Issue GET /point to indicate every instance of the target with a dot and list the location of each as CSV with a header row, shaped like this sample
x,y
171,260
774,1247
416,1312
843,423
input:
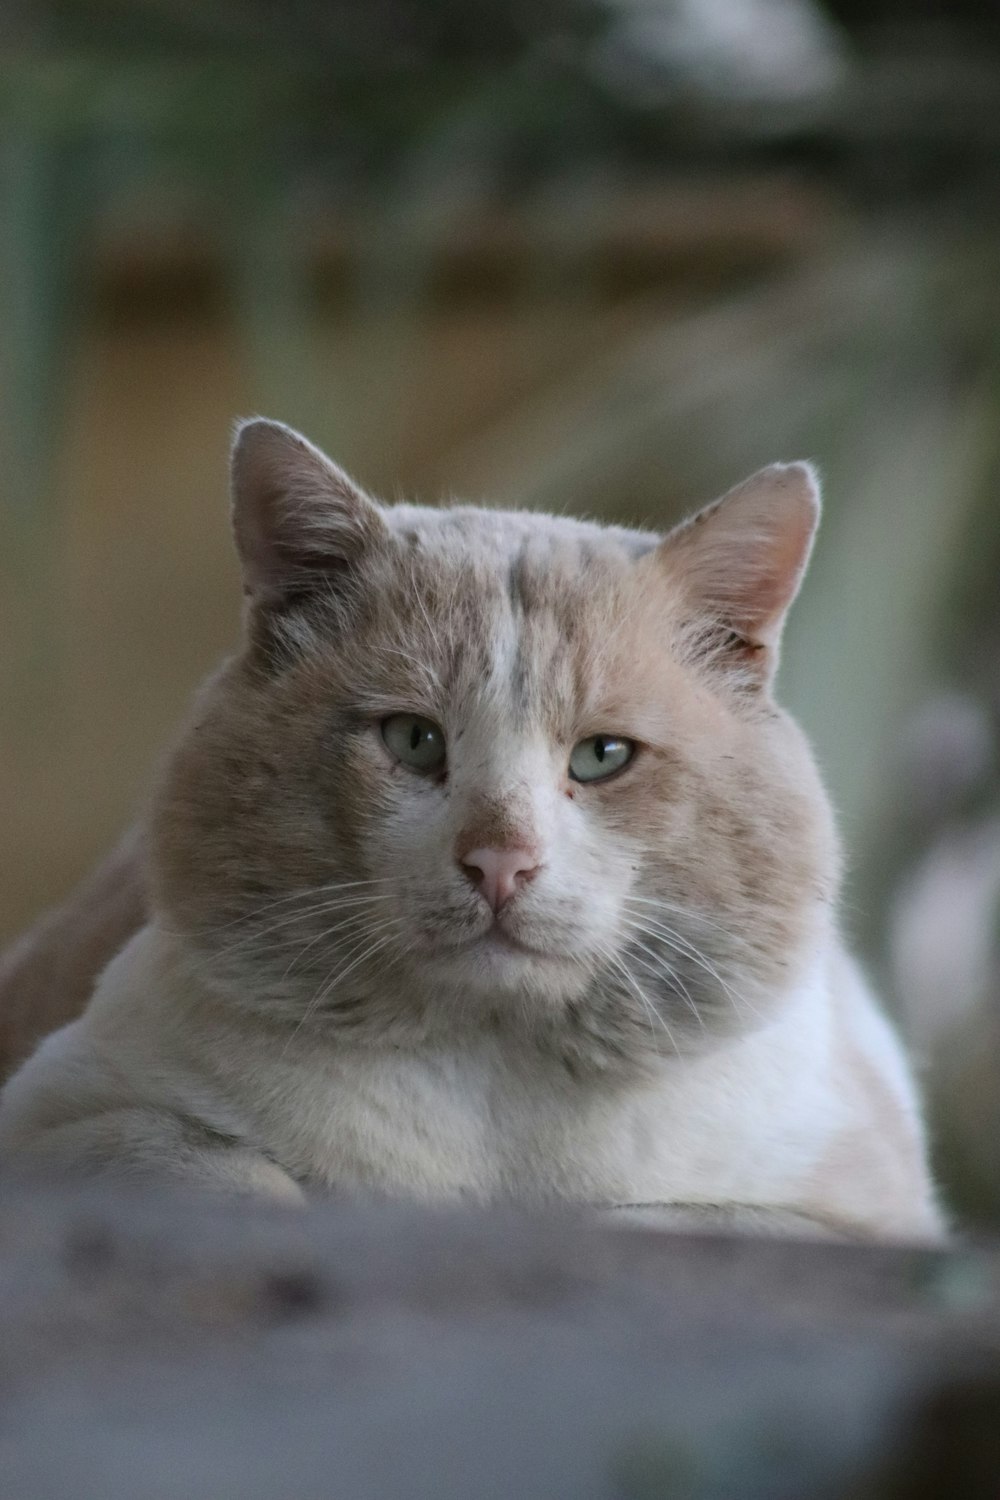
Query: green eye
x,y
599,756
417,742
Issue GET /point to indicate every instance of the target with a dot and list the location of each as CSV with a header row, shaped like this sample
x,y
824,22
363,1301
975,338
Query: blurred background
x,y
601,255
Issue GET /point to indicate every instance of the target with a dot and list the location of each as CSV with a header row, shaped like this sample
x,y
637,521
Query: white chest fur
x,y
753,1120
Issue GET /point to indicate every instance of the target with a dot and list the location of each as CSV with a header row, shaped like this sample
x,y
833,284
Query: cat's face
x,y
479,769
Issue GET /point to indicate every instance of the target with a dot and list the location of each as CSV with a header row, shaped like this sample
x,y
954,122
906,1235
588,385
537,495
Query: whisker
x,y
652,1013
683,946
690,913
320,909
328,932
341,974
361,958
308,893
666,970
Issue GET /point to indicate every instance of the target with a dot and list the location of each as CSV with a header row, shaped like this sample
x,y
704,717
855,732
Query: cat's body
x,y
490,869
48,975
164,1081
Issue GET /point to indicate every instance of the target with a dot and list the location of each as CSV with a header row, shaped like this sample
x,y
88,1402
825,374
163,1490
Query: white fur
x,y
746,1123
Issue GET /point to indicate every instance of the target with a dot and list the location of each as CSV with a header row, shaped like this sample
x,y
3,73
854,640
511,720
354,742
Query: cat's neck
x,y
174,973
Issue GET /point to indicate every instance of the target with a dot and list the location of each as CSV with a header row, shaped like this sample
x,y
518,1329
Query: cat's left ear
x,y
740,561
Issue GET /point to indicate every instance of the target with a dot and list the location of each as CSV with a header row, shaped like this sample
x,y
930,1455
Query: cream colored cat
x,y
490,869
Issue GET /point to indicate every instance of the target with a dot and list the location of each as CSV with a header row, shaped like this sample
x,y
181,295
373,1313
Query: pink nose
x,y
498,873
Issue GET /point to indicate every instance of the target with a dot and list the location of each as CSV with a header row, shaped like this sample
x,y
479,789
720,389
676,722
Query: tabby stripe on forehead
x,y
519,676
515,579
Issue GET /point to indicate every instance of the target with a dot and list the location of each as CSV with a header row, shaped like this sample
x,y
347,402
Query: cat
x,y
490,869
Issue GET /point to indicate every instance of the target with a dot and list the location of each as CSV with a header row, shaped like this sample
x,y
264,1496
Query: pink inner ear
x,y
742,559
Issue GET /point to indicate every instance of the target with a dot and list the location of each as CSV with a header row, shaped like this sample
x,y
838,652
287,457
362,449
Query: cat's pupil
x,y
415,736
599,747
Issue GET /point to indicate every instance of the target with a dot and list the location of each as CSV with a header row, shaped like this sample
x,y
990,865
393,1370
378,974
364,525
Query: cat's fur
x,y
322,998
47,976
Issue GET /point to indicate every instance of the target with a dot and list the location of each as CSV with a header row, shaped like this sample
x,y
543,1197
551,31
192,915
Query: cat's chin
x,y
497,960
498,940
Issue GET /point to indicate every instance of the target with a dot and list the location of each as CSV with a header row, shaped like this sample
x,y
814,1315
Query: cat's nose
x,y
498,873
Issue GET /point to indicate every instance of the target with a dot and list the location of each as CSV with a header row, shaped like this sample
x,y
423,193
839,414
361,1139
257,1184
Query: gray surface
x,y
166,1348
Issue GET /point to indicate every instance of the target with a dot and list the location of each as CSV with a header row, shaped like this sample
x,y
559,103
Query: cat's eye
x,y
600,755
415,741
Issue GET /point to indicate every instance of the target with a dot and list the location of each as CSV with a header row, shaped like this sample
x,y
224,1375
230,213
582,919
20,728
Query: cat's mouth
x,y
498,938
501,943
498,943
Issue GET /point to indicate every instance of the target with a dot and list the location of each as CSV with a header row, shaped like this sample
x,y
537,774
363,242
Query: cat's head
x,y
485,769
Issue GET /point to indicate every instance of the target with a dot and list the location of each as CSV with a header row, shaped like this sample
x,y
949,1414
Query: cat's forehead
x,y
535,612
548,584
465,533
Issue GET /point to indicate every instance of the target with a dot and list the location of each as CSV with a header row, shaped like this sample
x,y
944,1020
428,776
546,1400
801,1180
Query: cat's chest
x,y
390,1121
434,1123
471,1124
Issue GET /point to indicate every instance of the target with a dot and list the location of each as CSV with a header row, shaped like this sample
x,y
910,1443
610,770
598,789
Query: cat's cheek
x,y
357,794
616,810
414,833
588,872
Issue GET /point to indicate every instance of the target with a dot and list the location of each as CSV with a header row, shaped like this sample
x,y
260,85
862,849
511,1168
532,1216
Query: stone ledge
x,y
155,1347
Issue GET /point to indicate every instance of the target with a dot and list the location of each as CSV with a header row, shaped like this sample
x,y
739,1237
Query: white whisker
x,y
684,947
330,984
322,908
665,970
651,1012
692,914
308,893
328,932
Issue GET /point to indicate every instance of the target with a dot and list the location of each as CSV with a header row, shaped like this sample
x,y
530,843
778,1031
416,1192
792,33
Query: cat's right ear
x,y
299,520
